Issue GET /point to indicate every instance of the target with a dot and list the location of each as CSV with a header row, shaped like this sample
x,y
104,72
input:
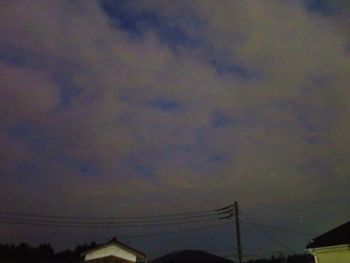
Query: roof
x,y
119,243
335,237
190,256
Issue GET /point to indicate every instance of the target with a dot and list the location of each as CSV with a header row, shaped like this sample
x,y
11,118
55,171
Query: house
x,y
332,246
190,256
114,251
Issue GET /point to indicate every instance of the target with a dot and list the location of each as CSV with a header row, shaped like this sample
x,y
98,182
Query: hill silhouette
x,y
191,256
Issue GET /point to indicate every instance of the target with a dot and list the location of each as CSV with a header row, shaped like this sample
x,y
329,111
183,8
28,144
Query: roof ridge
x,y
339,235
116,241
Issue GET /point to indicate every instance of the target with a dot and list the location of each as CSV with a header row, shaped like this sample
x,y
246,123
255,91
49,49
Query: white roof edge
x,y
135,253
328,248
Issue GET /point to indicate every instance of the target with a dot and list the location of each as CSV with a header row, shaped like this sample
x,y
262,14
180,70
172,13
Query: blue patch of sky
x,y
82,167
38,138
248,119
125,94
244,119
30,133
67,94
68,91
175,36
312,140
200,135
37,141
124,119
323,7
313,120
34,135
126,18
203,160
24,130
204,143
233,68
137,166
30,167
29,173
167,105
136,23
216,157
220,119
63,76
308,123
87,167
19,56
176,150
170,31
12,56
144,170
63,72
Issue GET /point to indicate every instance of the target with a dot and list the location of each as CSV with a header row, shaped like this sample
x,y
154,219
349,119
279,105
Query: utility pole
x,y
238,233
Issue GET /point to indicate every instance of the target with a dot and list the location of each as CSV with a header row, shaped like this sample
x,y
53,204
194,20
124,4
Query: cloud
x,y
254,109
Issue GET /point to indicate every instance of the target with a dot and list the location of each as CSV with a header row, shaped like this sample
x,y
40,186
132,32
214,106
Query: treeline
x,y
289,259
44,253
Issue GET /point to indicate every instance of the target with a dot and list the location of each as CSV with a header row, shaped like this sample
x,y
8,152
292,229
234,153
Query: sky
x,y
126,108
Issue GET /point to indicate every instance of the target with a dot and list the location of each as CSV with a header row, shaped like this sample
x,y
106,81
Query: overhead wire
x,y
176,231
225,214
281,229
105,225
277,241
183,218
158,220
182,214
114,221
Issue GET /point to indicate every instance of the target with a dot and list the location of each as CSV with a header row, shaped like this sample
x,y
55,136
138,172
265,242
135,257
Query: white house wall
x,y
339,254
112,250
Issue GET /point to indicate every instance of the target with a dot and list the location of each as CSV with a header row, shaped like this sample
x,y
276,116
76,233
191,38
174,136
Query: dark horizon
x,y
45,253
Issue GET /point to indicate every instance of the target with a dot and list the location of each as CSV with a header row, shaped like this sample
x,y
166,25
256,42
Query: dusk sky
x,y
128,108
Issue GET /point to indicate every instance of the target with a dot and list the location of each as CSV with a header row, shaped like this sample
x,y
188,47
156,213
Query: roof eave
x,y
325,248
131,250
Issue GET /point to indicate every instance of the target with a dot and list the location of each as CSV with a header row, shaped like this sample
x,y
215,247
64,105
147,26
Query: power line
x,y
282,244
183,214
244,256
52,225
89,225
175,232
98,222
159,220
281,229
